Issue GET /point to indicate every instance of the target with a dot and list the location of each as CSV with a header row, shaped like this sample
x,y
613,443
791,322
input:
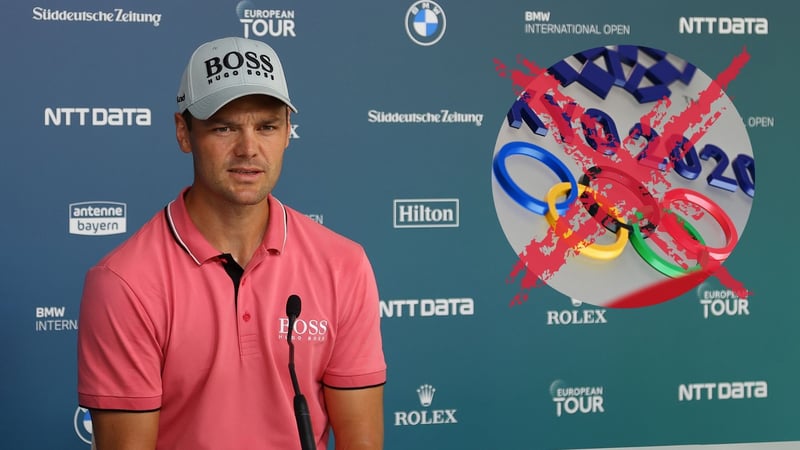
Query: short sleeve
x,y
119,357
358,359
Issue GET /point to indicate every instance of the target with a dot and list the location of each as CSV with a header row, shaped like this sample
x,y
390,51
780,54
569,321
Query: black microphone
x,y
301,414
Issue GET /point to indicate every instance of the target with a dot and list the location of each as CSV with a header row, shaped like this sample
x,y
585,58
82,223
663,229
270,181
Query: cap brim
x,y
208,105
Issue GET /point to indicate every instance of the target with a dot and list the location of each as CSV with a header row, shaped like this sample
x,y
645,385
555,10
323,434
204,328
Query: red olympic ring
x,y
722,218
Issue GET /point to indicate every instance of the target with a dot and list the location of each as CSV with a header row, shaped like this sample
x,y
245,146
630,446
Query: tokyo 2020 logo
x,y
623,175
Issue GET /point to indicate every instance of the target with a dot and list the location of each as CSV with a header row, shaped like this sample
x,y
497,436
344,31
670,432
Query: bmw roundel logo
x,y
83,424
425,22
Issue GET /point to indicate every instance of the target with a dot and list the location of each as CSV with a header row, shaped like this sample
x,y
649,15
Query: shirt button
x,y
246,317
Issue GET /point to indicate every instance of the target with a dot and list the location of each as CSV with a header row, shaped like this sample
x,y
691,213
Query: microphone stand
x,y
301,413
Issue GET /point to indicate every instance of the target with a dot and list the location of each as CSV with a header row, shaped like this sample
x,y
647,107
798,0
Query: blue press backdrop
x,y
549,373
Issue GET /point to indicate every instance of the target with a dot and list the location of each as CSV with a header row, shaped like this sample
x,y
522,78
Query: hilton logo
x,y
425,417
426,213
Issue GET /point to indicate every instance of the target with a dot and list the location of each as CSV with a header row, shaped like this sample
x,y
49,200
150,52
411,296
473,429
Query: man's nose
x,y
247,144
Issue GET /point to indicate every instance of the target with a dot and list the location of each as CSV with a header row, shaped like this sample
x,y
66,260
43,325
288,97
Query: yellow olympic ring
x,y
595,250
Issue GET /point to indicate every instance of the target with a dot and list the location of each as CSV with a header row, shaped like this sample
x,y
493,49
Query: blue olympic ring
x,y
548,159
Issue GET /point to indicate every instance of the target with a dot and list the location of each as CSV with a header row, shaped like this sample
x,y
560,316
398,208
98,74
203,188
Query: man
x,y
183,329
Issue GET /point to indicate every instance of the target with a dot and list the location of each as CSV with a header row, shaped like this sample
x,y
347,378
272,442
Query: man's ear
x,y
182,133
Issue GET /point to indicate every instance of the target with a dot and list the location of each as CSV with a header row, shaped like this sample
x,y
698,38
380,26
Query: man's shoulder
x,y
144,245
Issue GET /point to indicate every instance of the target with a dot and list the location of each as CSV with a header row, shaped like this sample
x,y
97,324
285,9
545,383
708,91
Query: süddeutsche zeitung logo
x,y
443,116
265,22
571,400
425,394
97,218
117,15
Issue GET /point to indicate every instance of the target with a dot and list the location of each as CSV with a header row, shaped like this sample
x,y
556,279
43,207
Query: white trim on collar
x,y
285,224
177,235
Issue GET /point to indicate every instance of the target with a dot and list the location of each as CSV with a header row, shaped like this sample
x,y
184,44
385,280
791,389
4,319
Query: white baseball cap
x,y
226,69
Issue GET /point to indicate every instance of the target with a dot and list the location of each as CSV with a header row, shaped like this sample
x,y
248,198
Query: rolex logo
x,y
425,393
426,416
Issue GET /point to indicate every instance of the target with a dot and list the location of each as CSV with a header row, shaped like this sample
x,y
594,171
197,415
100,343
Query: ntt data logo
x,y
427,307
97,117
425,394
426,213
723,25
97,218
425,23
260,22
83,424
572,400
722,390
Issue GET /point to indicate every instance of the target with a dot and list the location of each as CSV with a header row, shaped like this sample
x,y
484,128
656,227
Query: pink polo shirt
x,y
162,327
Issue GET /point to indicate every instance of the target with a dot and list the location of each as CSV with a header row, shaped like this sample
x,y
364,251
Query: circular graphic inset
x,y
660,149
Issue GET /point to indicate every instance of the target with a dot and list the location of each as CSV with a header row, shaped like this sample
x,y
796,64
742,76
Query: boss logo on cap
x,y
230,64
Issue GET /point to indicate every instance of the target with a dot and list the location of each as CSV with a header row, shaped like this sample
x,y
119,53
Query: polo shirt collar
x,y
195,244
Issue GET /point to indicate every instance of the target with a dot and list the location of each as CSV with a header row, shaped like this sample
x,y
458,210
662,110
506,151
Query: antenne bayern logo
x,y
425,22
97,218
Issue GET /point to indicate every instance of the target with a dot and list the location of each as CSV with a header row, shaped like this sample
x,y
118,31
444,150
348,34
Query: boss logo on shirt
x,y
304,330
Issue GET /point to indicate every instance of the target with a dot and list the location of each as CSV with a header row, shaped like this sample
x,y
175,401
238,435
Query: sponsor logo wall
x,y
430,134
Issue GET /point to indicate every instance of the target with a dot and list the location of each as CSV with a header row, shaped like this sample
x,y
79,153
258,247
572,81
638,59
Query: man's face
x,y
237,152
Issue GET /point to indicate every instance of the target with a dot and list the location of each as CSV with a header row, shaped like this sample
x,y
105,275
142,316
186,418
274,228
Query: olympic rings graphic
x,y
638,233
731,236
664,158
631,184
594,250
515,192
651,257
